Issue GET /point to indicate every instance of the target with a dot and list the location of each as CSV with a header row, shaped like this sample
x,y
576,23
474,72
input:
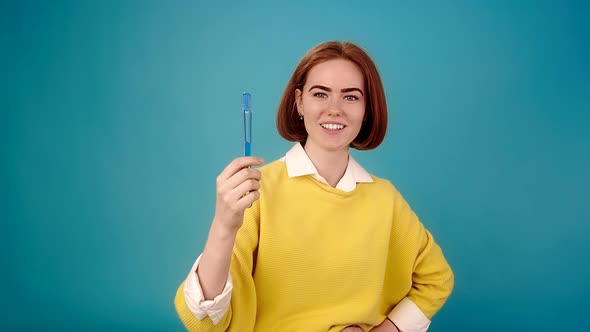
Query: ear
x,y
298,101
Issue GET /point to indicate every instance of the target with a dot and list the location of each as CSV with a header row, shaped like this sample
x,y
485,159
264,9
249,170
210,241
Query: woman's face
x,y
332,103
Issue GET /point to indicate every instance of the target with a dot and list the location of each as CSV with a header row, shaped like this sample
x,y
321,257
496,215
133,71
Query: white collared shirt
x,y
299,164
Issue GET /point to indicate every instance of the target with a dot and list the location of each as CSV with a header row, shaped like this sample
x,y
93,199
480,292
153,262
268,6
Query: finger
x,y
246,193
239,199
241,176
244,188
237,164
232,195
247,200
248,185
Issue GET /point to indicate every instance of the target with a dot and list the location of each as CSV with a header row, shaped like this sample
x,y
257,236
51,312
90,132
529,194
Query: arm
x,y
201,308
241,314
432,278
232,185
214,266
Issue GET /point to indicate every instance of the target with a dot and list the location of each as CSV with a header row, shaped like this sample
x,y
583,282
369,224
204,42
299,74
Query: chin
x,y
335,148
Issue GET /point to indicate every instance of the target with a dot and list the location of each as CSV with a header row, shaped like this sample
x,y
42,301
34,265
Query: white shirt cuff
x,y
195,300
408,317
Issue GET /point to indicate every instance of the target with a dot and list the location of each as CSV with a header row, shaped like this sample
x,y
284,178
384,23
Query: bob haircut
x,y
374,125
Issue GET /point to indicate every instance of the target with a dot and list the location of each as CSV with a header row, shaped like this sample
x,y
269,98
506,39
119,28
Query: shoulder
x,y
273,172
385,187
276,167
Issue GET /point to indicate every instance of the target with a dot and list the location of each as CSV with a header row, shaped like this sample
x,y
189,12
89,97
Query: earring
x,y
300,113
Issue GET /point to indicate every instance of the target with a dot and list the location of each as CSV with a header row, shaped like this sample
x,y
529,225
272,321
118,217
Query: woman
x,y
312,242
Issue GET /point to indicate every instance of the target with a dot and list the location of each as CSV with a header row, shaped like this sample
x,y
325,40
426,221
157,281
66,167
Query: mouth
x,y
332,126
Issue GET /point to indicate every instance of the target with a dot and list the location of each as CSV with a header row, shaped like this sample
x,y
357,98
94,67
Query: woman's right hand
x,y
237,189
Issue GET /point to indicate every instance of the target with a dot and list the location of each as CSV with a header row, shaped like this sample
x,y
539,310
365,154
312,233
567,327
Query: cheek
x,y
307,123
312,103
359,115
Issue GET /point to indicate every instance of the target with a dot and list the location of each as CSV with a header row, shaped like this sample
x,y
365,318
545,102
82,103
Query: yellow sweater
x,y
313,258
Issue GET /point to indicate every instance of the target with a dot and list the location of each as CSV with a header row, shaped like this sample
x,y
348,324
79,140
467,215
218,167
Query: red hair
x,y
374,126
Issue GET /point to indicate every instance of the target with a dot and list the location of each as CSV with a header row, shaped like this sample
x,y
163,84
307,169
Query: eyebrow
x,y
342,90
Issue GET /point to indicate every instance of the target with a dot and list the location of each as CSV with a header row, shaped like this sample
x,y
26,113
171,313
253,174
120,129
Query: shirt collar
x,y
299,164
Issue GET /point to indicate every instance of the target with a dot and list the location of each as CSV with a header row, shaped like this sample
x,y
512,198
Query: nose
x,y
334,108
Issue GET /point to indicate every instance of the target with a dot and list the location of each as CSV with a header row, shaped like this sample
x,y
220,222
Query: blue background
x,y
117,116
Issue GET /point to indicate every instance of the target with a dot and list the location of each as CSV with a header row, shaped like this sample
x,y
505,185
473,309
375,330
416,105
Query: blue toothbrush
x,y
247,123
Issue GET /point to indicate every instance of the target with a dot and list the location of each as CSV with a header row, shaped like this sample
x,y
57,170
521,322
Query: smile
x,y
332,126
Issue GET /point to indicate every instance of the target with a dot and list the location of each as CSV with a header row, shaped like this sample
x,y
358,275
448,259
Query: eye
x,y
320,95
351,98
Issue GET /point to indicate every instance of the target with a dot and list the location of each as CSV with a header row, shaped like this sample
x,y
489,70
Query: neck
x,y
331,165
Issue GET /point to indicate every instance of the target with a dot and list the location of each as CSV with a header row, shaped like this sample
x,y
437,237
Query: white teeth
x,y
332,126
